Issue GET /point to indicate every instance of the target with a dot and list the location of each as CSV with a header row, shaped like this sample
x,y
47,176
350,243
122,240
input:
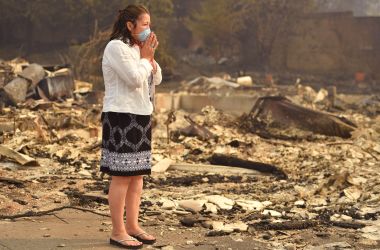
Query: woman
x,y
130,74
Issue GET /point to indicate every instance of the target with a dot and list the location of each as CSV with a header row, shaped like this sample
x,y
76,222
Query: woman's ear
x,y
129,26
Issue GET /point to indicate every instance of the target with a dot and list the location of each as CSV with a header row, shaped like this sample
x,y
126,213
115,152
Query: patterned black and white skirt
x,y
126,144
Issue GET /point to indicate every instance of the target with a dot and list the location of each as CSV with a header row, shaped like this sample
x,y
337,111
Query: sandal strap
x,y
142,234
138,235
128,239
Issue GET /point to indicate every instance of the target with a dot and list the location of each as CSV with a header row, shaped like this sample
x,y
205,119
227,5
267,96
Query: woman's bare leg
x,y
132,207
116,199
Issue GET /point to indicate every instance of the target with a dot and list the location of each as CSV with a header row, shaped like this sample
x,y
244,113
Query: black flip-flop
x,y
145,241
119,244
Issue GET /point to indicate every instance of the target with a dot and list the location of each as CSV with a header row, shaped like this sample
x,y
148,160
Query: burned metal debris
x,y
278,111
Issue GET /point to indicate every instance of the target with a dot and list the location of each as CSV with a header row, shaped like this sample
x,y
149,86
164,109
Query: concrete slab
x,y
236,104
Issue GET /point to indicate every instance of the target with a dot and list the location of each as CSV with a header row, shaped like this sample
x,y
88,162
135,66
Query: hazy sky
x,y
359,7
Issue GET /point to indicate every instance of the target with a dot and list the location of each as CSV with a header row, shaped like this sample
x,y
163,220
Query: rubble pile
x,y
21,80
211,169
330,182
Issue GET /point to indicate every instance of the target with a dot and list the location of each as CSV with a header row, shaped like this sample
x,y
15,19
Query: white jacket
x,y
126,78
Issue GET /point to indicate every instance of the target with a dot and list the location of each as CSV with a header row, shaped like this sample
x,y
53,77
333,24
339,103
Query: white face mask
x,y
143,35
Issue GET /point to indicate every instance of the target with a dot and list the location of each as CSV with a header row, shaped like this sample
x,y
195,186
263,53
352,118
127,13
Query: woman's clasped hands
x,y
148,49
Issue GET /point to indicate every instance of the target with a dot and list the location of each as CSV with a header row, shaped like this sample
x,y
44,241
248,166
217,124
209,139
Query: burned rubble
x,y
300,160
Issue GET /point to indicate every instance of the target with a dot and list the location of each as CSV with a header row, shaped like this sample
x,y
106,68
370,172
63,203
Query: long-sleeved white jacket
x,y
126,78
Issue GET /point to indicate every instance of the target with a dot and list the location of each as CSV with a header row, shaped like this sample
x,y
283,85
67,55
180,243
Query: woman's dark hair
x,y
130,14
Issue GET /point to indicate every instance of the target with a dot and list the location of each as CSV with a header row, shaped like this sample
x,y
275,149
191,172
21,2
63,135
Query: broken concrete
x,y
34,73
221,201
16,90
192,205
23,159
